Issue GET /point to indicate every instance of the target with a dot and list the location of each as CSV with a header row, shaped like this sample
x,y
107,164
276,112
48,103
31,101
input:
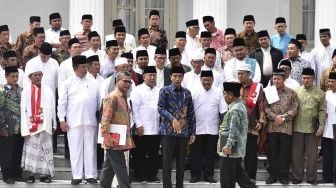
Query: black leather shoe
x,y
91,181
270,180
296,181
284,181
194,179
210,180
313,182
155,180
323,181
76,181
9,181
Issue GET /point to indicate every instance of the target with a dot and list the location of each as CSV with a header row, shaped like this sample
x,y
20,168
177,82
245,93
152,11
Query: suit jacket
x,y
276,56
166,73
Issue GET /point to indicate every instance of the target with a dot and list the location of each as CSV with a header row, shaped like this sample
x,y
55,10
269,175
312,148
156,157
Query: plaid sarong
x,y
37,155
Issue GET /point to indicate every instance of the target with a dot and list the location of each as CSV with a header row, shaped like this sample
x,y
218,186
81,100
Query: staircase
x,y
63,176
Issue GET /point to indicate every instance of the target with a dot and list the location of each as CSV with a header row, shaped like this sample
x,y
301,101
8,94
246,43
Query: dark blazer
x,y
276,56
166,73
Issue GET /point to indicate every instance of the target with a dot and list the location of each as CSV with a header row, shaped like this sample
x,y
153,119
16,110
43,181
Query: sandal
x,y
30,180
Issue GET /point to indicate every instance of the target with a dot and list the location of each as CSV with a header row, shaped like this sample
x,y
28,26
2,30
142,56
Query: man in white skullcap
x,y
38,121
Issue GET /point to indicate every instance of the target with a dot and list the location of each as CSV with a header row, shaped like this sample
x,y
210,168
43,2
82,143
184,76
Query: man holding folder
x,y
116,113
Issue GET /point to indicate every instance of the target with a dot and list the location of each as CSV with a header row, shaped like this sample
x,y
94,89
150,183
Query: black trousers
x,y
232,171
203,153
280,149
145,156
329,159
10,156
251,158
114,164
170,144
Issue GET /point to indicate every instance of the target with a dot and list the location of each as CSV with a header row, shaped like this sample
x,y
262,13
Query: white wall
x,y
16,13
184,13
264,11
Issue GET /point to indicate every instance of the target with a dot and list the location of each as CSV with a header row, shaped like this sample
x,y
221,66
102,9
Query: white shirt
x,y
78,101
48,109
208,105
289,82
267,61
145,108
231,73
3,80
107,67
52,36
192,44
90,52
151,53
50,72
192,81
331,111
322,59
308,57
98,80
159,78
129,40
218,63
65,71
218,76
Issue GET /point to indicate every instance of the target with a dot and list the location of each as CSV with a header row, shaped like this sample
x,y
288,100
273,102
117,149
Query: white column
x,y
80,7
215,8
325,17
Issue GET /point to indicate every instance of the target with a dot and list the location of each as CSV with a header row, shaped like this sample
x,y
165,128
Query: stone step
x,y
66,184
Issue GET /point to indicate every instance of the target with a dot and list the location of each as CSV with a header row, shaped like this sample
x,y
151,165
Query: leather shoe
x,y
270,180
323,181
91,181
155,179
296,181
76,181
313,182
284,181
210,180
194,180
9,181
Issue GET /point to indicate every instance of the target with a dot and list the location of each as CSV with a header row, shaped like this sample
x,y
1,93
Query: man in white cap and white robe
x,y
38,120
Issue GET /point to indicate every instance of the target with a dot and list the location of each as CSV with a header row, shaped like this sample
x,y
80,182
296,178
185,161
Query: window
x,y
155,5
126,12
308,18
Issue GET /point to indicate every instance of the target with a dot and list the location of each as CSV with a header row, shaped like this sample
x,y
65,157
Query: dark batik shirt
x,y
176,103
10,109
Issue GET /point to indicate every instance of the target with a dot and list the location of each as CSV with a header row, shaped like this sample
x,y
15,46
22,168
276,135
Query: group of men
x,y
217,91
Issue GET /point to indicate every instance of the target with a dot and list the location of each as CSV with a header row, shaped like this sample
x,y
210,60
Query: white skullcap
x,y
197,56
35,68
244,67
120,61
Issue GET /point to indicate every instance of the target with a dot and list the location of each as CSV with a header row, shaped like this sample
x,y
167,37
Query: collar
x,y
266,49
154,28
246,34
11,87
233,103
119,93
175,88
247,85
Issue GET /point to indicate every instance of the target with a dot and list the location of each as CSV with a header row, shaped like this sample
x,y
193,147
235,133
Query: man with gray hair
x,y
116,112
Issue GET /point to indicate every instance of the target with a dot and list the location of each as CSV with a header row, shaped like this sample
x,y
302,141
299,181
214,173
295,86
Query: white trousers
x,y
83,151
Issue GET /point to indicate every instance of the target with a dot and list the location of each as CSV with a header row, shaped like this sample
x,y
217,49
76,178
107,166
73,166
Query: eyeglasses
x,y
127,81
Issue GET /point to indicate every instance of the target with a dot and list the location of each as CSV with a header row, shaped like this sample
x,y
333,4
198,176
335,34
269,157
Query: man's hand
x,y
278,120
319,132
140,131
259,126
227,150
3,133
64,126
192,139
176,126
